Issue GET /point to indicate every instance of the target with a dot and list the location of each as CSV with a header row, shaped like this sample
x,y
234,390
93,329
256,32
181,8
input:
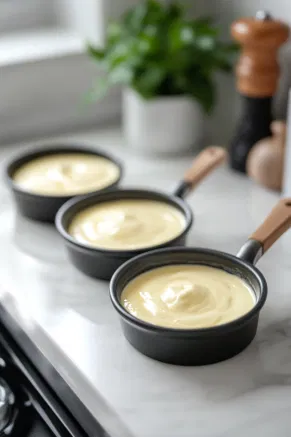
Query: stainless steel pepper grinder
x,y
257,73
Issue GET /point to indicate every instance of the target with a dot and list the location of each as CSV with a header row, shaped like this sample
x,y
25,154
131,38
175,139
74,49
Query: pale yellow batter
x,y
127,224
187,296
66,174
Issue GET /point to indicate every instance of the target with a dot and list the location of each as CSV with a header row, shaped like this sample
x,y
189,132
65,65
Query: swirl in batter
x,y
127,224
66,174
187,297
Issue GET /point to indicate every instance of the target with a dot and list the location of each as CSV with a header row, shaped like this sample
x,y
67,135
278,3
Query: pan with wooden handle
x,y
99,262
216,343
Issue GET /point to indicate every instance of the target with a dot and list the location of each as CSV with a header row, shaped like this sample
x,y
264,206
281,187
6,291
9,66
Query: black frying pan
x,y
102,263
208,345
44,207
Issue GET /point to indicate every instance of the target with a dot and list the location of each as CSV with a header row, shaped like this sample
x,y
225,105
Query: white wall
x,y
228,107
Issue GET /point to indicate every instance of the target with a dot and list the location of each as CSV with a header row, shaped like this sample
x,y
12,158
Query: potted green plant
x,y
167,64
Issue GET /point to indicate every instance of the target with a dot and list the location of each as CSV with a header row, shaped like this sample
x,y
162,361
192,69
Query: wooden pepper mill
x,y
265,163
257,75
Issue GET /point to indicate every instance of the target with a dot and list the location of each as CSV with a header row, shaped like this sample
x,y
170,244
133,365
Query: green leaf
x,y
134,18
97,91
149,81
121,75
148,42
203,90
180,35
118,54
94,52
114,31
225,56
206,43
231,48
175,11
143,13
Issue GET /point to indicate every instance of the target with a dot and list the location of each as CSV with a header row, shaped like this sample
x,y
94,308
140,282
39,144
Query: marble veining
x,y
70,319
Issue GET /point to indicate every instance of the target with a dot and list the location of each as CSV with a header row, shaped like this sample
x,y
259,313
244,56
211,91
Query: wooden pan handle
x,y
277,222
204,163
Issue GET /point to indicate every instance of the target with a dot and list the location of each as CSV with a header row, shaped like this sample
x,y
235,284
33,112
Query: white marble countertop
x,y
70,319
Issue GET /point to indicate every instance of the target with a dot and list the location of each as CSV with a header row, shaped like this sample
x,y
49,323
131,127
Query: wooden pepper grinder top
x,y
257,74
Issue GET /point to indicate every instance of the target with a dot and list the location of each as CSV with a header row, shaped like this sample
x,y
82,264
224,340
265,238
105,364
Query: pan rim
x,y
33,152
180,332
168,198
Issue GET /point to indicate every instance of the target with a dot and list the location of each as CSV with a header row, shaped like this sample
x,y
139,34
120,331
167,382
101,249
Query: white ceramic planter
x,y
166,125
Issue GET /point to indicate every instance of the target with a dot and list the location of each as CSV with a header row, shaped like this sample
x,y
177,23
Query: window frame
x,y
19,15
36,98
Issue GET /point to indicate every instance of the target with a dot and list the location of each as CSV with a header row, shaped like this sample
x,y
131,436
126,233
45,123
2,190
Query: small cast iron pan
x,y
44,207
102,263
207,345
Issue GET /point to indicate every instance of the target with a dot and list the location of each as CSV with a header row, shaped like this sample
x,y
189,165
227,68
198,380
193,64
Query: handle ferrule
x,y
207,160
251,251
182,190
275,225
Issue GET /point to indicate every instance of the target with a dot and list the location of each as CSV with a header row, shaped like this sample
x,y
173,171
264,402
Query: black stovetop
x,y
28,406
59,412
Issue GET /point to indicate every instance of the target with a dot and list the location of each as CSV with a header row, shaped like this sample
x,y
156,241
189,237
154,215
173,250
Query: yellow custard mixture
x,y
66,174
187,297
127,224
